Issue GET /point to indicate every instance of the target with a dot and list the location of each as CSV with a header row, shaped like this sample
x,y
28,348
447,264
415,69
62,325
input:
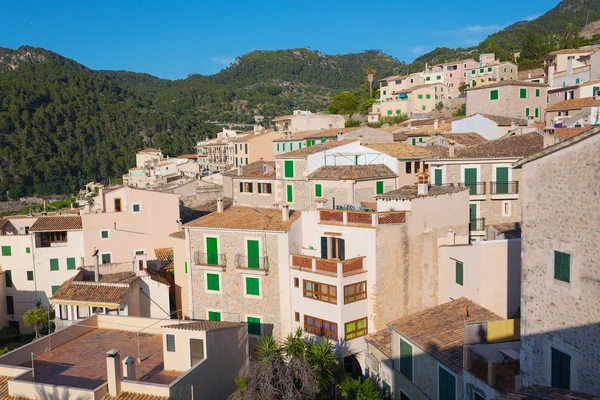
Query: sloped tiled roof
x,y
382,340
517,146
440,330
246,218
314,134
537,392
510,230
309,150
401,151
135,396
466,139
57,223
254,170
409,192
574,104
568,133
504,121
179,234
165,256
111,288
352,172
205,326
508,83
428,130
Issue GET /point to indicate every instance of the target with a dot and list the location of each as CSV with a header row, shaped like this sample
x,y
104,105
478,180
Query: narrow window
x,y
459,273
29,275
8,278
212,282
561,370
71,263
406,359
170,342
254,326
562,266
253,286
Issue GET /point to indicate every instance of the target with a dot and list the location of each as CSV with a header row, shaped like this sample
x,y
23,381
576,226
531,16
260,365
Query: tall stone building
x,y
560,292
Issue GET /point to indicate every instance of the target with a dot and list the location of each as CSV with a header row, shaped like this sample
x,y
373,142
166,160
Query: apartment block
x,y
254,147
307,121
415,100
396,83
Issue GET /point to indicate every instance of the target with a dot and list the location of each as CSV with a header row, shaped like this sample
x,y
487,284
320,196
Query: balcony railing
x,y
475,188
369,218
477,224
499,375
511,187
258,263
337,267
210,259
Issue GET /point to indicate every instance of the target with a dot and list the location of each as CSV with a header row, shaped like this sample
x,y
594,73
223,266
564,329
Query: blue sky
x,y
172,38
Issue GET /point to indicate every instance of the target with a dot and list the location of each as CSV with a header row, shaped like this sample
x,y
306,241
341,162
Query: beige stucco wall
x,y
561,213
180,261
509,104
254,199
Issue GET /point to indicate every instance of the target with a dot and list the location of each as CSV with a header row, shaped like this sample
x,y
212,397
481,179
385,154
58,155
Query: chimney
x,y
451,145
141,261
239,170
451,238
285,212
550,75
436,124
129,368
340,135
96,267
529,75
113,369
220,205
422,189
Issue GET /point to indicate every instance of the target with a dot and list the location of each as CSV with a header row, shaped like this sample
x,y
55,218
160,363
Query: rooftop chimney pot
x,y
285,212
451,145
113,369
220,205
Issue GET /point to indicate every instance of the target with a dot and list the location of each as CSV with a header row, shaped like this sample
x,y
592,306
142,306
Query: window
x,y
428,78
186,267
320,291
297,316
6,251
561,370
49,238
489,69
320,327
236,148
8,276
246,187
523,93
253,326
423,108
379,188
106,258
406,359
140,252
170,342
537,92
214,316
446,385
318,190
595,90
212,282
389,112
428,96
288,168
104,234
27,250
117,203
253,286
562,266
277,146
355,329
290,194
537,112
296,282
29,275
355,292
71,263
577,80
459,272
55,289
481,70
527,112
264,188
398,112
473,72
136,207
337,246
246,148
420,96
10,304
437,177
54,264
439,77
246,160
408,167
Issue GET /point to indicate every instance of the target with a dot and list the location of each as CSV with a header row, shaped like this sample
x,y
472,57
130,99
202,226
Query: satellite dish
x,y
95,252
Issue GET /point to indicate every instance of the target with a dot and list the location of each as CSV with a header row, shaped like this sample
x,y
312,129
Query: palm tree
x,y
268,349
322,360
36,317
569,35
370,74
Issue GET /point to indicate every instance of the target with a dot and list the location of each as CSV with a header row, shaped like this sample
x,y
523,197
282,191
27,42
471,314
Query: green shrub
x,y
352,123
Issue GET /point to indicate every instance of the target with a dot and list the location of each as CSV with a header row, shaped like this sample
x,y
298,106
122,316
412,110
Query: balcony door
x,y
502,180
212,251
471,180
333,248
253,254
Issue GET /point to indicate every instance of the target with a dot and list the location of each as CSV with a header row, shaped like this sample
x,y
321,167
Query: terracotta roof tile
x,y
205,325
111,288
179,234
466,139
246,218
446,127
307,151
574,104
57,223
569,51
192,156
165,256
135,396
401,151
382,340
536,392
510,230
352,172
254,170
504,121
568,133
509,83
409,192
517,146
314,134
440,330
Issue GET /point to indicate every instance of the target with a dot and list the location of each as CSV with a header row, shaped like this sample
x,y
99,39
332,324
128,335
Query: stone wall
x,y
509,103
561,213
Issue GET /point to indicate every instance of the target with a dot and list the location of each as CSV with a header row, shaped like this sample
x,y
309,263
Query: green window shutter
x,y
104,234
288,167
212,282
8,278
562,266
259,186
446,385
212,251
236,148
537,112
252,286
439,77
423,108
420,96
106,258
300,145
471,180
6,251
170,342
502,180
28,250
428,96
577,81
241,187
308,143
473,72
428,78
406,359
55,289
490,69
136,208
214,316
29,275
420,140
481,70
246,148
472,212
561,370
253,252
10,304
277,146
523,93
71,263
493,95
437,177
398,112
414,141
459,273
527,112
290,194
380,188
318,190
54,264
253,326
324,251
185,265
246,160
389,112
323,140
595,90
537,92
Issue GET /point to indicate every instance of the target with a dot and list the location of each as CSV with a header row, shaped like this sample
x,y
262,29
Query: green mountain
x,y
62,124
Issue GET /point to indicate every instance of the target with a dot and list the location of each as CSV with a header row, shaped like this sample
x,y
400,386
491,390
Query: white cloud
x,y
222,60
418,50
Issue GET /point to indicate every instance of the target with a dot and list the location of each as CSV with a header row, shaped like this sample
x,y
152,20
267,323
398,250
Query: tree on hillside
x,y
370,74
343,103
530,49
570,36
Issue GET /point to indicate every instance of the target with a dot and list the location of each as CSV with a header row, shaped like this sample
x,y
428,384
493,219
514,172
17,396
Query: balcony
x,y
477,227
476,189
212,260
504,190
365,218
258,265
341,268
490,366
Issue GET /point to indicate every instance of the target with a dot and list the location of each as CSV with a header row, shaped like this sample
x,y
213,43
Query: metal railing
x,y
261,263
477,365
475,188
509,187
503,376
218,260
477,224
